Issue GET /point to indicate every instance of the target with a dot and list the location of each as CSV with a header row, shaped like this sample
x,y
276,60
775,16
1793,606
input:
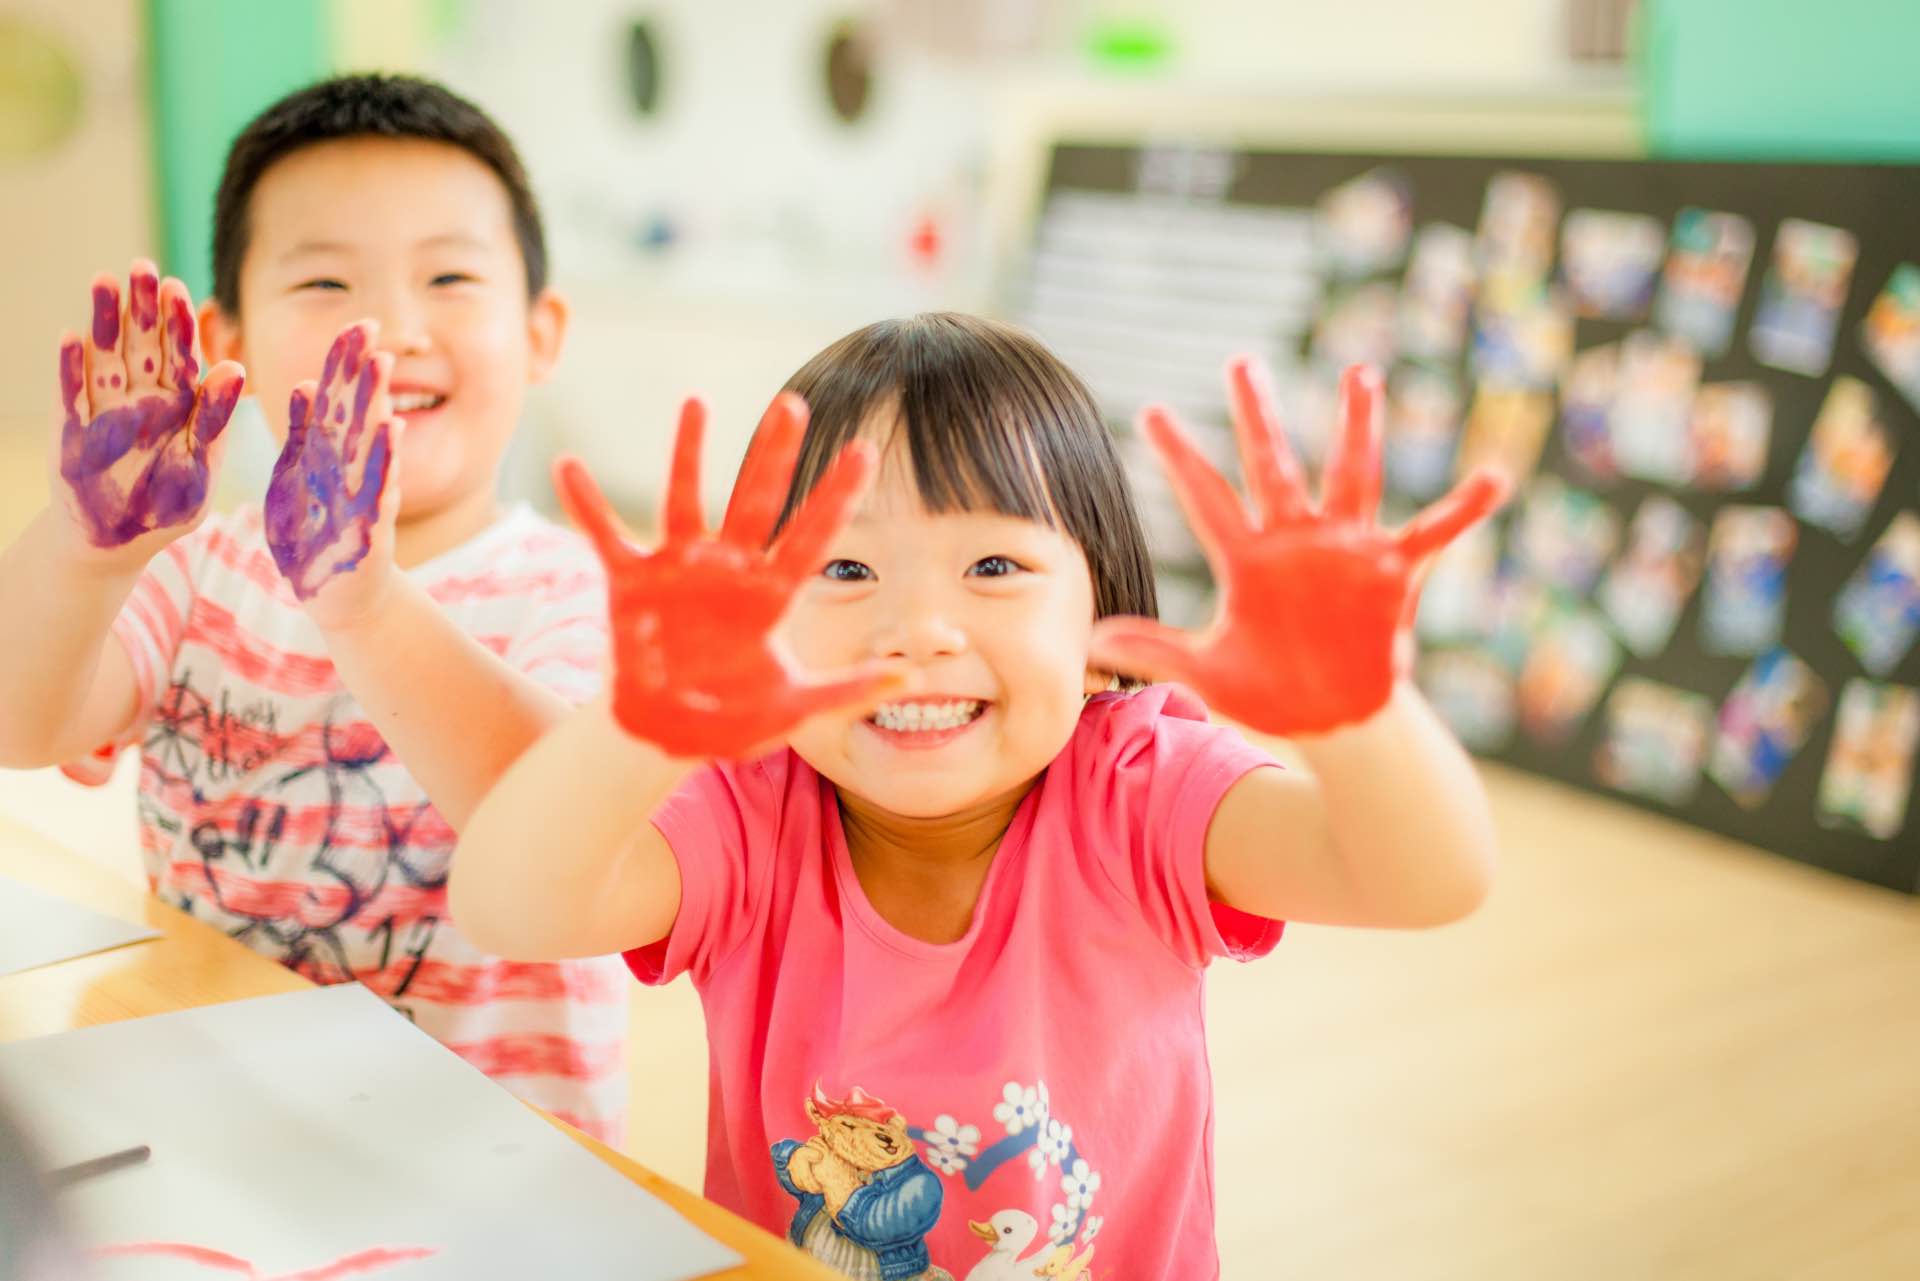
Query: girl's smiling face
x,y
991,612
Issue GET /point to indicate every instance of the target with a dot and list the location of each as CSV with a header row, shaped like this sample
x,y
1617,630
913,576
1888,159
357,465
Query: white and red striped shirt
x,y
271,808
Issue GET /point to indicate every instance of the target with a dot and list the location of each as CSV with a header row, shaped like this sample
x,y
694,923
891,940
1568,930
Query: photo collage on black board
x,y
1705,595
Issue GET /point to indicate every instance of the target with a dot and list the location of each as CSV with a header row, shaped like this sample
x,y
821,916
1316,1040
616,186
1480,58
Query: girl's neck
x,y
923,875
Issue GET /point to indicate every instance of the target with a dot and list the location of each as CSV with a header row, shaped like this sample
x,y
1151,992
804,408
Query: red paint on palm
x,y
1315,602
698,671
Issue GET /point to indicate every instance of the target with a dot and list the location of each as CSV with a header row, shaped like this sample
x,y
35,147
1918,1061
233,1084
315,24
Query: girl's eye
x,y
846,571
994,567
322,282
453,278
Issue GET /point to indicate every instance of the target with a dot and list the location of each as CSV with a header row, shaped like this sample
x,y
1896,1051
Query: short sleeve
x,y
561,642
721,824
151,624
1149,770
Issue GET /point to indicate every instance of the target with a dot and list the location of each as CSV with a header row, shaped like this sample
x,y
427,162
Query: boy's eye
x,y
453,278
846,571
994,567
322,282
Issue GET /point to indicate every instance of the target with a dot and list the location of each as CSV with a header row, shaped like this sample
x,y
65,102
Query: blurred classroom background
x,y
1660,1051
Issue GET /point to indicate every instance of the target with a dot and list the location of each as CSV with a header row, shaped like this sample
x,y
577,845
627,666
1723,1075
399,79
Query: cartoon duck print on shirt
x,y
868,1200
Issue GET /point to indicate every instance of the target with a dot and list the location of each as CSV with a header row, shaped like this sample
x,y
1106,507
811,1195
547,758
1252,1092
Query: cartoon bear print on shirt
x,y
867,1201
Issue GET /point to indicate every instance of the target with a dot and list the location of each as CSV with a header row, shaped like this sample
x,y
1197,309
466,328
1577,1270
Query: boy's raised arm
x,y
135,456
454,711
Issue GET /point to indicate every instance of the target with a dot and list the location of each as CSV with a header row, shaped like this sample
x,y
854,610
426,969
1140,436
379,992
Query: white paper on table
x,y
38,929
292,1131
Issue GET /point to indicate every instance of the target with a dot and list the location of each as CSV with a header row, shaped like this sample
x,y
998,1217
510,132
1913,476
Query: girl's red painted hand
x,y
1315,603
697,669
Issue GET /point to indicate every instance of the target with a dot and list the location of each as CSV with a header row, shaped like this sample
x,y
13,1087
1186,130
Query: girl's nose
x,y
919,636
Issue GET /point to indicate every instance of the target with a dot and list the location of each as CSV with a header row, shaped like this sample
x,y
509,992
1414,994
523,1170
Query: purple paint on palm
x,y
316,527
141,465
106,315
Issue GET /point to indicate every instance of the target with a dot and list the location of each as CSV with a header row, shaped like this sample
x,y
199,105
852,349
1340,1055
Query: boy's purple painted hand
x,y
697,670
1315,604
137,437
331,506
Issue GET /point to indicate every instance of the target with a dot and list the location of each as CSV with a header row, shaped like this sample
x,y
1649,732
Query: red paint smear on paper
x,y
358,1264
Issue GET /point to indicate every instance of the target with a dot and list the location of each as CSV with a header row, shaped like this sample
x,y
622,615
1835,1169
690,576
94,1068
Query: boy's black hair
x,y
363,106
993,420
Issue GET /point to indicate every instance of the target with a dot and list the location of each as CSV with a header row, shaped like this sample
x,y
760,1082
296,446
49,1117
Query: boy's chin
x,y
431,483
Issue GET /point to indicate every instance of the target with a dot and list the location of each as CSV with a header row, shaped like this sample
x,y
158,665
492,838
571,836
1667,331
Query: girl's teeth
x,y
411,402
918,717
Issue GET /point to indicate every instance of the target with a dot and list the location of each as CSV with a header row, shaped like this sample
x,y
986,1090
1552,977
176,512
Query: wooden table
x,y
194,964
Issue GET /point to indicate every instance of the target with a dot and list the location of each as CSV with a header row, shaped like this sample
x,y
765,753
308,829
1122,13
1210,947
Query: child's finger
x,y
370,499
682,517
1274,480
1145,648
826,511
143,327
588,508
340,373
214,402
1351,489
299,418
863,689
1447,518
760,490
393,437
179,367
1215,512
73,380
106,368
372,405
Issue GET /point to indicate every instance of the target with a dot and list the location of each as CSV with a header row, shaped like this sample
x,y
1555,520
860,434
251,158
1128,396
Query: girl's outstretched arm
x,y
1312,642
560,858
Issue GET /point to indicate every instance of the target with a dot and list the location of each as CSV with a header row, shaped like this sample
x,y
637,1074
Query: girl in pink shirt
x,y
879,772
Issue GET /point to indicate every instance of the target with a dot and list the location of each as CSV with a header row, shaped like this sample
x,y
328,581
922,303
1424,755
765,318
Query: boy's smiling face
x,y
418,236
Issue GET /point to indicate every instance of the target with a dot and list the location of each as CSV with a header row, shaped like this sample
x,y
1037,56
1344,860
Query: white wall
x,y
793,225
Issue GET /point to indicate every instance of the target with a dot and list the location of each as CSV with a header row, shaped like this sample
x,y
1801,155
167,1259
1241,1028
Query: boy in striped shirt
x,y
324,685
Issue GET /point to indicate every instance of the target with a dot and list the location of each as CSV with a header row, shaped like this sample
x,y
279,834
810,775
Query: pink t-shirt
x,y
1045,1077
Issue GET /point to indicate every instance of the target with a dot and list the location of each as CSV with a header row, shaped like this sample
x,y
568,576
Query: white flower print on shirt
x,y
1080,1184
946,1162
1092,1230
1051,1148
1065,1222
1022,1107
949,1144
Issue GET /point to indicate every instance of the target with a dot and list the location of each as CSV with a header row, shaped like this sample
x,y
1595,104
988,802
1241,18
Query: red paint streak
x,y
357,1264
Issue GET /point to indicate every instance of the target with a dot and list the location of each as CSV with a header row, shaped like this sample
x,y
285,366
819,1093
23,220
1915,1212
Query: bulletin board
x,y
1705,596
